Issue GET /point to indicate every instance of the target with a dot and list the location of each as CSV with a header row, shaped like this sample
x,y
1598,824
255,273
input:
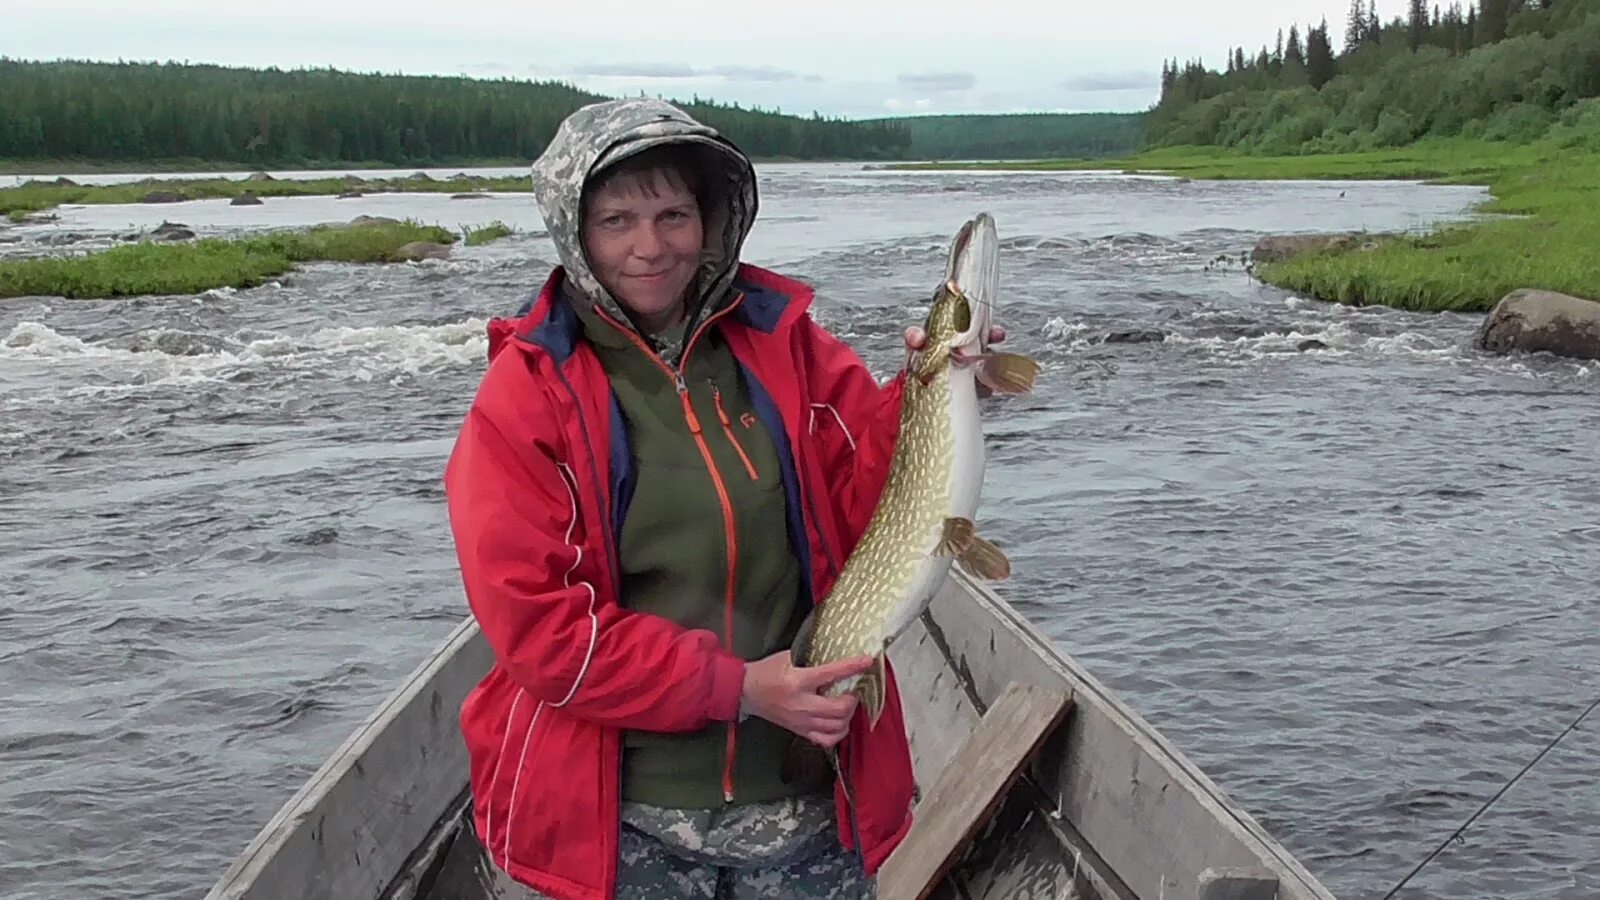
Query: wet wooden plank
x,y
971,787
1237,884
1156,819
939,715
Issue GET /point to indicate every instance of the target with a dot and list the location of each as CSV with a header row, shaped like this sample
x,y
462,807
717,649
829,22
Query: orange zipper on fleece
x,y
728,529
727,429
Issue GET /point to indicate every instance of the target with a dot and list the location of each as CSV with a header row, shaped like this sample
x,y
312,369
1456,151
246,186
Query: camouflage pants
x,y
788,850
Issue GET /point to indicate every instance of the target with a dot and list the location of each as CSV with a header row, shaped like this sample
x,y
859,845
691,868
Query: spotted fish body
x,y
923,522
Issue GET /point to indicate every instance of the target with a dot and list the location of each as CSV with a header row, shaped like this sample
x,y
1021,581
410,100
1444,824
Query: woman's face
x,y
643,235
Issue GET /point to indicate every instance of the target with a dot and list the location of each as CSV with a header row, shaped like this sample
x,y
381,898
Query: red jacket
x,y
533,485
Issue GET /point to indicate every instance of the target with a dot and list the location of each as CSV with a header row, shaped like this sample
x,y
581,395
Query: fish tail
x,y
870,688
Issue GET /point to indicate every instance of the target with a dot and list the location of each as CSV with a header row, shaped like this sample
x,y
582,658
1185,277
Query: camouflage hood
x,y
601,134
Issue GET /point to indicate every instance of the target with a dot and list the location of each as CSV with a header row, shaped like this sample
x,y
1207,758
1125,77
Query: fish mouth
x,y
973,270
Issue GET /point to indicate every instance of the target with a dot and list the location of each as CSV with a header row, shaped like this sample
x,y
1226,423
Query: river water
x,y
1355,582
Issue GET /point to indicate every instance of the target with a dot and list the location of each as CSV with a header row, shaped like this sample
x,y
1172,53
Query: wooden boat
x,y
1034,781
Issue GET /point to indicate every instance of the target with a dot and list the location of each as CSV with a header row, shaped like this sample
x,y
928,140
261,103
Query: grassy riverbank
x,y
1550,191
187,268
19,202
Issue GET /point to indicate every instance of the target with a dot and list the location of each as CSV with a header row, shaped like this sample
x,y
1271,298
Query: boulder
x,y
248,198
171,231
1139,336
259,176
417,250
162,197
1531,320
1277,248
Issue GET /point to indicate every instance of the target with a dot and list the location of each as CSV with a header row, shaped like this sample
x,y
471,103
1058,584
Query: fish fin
x,y
985,560
800,649
1008,373
805,763
870,688
957,538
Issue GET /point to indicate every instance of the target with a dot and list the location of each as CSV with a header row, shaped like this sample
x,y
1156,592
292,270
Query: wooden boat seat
x,y
971,788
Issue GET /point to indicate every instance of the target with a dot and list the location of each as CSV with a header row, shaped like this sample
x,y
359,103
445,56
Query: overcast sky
x,y
854,58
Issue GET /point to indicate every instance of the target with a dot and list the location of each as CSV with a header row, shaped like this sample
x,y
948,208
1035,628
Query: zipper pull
x,y
688,408
716,398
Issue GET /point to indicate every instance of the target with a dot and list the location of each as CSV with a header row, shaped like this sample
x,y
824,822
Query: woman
x,y
665,465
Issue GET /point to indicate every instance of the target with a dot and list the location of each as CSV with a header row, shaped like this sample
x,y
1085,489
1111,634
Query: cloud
x,y
938,82
636,70
759,73
743,74
1110,81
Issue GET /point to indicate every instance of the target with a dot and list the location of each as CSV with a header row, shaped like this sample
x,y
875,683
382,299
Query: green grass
x,y
1551,243
1551,187
493,231
36,196
186,268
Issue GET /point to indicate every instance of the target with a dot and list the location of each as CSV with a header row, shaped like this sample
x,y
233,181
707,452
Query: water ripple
x,y
1341,558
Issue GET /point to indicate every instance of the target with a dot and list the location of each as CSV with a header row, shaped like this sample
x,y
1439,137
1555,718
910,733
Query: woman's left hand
x,y
916,338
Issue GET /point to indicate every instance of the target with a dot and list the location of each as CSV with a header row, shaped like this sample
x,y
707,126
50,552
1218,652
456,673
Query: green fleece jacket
x,y
676,544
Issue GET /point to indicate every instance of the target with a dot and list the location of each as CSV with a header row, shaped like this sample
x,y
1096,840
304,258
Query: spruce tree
x,y
1320,64
1355,27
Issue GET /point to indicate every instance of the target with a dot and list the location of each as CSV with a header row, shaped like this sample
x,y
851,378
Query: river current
x,y
1343,559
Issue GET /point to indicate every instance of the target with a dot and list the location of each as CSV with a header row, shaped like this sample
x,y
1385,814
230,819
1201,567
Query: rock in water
x,y
419,250
1140,336
1532,320
171,231
1277,248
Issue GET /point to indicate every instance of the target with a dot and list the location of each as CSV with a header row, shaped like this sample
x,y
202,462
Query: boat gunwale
x,y
1089,691
238,879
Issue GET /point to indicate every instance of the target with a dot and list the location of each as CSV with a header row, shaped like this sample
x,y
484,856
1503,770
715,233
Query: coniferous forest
x,y
1023,135
127,112
1499,70
1506,70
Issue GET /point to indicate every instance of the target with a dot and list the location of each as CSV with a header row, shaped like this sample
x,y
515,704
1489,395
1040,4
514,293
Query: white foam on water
x,y
1338,337
378,352
1073,334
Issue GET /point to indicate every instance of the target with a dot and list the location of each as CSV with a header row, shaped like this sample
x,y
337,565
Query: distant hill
x,y
1503,70
1022,135
145,112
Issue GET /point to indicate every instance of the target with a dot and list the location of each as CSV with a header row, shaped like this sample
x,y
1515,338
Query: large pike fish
x,y
923,522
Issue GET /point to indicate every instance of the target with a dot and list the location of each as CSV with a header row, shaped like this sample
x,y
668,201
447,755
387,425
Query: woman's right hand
x,y
790,697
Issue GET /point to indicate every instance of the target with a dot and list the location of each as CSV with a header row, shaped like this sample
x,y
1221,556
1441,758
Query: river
x,y
1355,583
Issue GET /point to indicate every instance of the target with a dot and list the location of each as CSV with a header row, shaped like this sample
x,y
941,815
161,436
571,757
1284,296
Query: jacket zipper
x,y
727,429
693,422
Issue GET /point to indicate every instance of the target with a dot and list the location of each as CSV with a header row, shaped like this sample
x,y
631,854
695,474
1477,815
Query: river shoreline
x,y
1538,230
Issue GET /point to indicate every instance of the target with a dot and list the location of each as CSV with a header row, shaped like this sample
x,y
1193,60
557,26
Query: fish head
x,y
973,270
962,309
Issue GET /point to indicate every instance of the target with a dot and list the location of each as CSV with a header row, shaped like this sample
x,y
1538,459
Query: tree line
x,y
1496,69
130,112
1024,135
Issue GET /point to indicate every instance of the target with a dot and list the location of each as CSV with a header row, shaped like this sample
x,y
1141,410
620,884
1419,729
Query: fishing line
x,y
1456,835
